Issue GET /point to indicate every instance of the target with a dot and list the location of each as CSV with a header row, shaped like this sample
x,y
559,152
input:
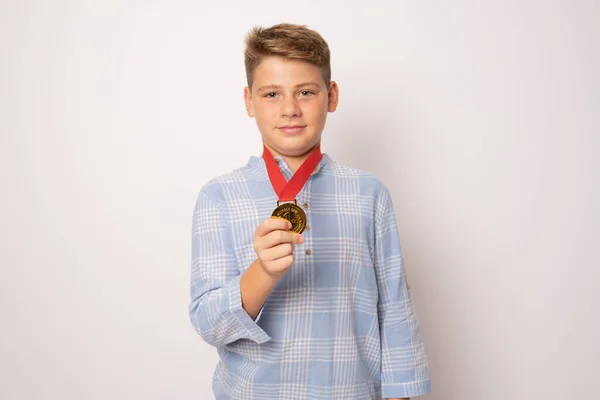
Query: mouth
x,y
292,128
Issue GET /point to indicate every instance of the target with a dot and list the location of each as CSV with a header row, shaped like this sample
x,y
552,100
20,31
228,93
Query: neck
x,y
294,162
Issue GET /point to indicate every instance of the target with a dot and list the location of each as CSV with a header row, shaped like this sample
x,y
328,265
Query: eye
x,y
270,95
306,92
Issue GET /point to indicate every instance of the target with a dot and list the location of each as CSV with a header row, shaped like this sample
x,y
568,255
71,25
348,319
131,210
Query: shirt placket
x,y
304,254
307,253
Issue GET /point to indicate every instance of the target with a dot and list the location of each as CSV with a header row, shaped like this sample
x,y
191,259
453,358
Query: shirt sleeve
x,y
215,308
404,366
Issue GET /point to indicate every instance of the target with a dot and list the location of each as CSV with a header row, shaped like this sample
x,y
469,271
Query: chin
x,y
293,147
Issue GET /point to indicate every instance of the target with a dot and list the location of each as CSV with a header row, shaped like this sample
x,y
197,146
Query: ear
x,y
248,101
333,96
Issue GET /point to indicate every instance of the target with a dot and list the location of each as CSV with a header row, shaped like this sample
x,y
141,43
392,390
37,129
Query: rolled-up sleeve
x,y
404,366
215,307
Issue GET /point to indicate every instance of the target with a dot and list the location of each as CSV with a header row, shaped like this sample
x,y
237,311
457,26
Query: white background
x,y
480,116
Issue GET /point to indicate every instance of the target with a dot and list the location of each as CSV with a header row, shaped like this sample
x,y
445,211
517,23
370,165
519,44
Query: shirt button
x,y
307,228
305,205
308,252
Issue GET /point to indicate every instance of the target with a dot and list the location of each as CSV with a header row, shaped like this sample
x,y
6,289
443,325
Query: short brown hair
x,y
288,41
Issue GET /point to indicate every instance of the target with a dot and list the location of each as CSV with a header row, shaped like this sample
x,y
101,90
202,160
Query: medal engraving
x,y
292,213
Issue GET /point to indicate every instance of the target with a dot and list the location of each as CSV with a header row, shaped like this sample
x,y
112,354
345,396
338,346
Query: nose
x,y
290,108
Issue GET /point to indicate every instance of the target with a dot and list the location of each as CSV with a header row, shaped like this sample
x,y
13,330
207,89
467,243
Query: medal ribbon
x,y
287,191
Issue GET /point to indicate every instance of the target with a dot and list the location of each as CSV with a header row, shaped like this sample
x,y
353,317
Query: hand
x,y
274,246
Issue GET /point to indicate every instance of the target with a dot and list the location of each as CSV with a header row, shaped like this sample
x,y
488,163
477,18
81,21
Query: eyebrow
x,y
267,87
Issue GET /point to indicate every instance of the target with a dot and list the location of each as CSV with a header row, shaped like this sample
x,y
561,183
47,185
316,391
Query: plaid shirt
x,y
340,324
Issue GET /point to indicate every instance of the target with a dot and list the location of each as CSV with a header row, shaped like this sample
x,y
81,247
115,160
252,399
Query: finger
x,y
279,251
272,224
276,237
282,263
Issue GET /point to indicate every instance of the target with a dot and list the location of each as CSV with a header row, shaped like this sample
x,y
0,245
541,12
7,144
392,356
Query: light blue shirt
x,y
340,324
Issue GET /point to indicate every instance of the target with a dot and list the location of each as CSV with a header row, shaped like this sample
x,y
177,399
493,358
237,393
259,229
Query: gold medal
x,y
293,213
288,190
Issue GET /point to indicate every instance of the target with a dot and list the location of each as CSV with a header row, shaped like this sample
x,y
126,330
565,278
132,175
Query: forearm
x,y
217,313
255,287
405,370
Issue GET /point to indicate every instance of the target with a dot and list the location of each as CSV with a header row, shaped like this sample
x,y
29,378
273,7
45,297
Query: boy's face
x,y
290,102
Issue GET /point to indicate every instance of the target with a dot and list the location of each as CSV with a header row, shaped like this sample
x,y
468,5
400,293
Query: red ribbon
x,y
287,191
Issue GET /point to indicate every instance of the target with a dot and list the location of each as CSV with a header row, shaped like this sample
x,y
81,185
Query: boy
x,y
296,275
